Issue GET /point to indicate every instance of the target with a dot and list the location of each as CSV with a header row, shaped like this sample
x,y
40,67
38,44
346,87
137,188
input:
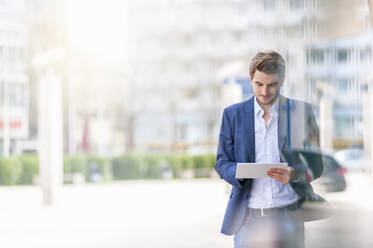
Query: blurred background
x,y
110,113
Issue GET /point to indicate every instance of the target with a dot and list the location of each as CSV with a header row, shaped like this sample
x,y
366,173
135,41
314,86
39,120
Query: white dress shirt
x,y
267,192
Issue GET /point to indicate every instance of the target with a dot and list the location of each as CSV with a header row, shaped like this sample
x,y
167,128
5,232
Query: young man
x,y
263,212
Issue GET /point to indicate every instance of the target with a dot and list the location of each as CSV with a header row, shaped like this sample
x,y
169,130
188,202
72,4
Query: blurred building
x,y
95,105
343,64
183,58
92,88
337,66
182,52
14,80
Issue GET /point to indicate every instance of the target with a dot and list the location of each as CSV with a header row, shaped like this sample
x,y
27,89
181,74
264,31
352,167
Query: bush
x,y
10,171
22,169
203,164
127,167
204,161
187,162
176,164
95,164
151,165
30,168
74,164
199,161
211,160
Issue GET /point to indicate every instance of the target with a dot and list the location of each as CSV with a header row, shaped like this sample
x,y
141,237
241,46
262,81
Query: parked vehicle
x,y
332,178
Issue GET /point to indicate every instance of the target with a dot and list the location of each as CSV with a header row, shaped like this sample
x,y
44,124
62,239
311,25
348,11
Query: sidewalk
x,y
174,213
177,213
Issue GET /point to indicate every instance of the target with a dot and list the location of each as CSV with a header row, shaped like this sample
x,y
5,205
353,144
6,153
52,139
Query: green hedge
x,y
153,166
30,168
10,171
203,161
176,164
22,169
74,164
127,167
96,164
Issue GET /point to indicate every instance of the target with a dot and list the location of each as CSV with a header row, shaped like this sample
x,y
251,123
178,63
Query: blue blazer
x,y
237,144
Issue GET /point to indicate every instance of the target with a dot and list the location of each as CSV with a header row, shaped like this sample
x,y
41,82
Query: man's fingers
x,y
278,170
282,178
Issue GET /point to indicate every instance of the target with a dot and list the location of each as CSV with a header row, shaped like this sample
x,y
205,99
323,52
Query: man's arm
x,y
226,164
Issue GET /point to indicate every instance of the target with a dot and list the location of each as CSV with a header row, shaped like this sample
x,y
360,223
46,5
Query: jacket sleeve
x,y
226,164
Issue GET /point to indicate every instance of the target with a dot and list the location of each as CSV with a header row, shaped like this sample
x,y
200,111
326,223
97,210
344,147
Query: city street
x,y
171,213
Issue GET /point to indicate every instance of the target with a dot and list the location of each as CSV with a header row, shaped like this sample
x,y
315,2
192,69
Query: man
x,y
265,129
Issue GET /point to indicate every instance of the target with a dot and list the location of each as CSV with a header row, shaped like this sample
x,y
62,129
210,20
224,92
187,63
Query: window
x,y
365,54
268,5
343,86
1,93
344,125
330,164
312,89
342,56
16,94
317,56
182,131
296,4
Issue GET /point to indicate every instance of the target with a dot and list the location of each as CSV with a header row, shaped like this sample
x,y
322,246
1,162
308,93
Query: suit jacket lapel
x,y
249,119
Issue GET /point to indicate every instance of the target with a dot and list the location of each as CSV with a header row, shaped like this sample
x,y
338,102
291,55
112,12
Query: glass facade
x,y
127,91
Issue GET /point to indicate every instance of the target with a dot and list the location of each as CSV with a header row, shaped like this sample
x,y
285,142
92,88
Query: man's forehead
x,y
263,77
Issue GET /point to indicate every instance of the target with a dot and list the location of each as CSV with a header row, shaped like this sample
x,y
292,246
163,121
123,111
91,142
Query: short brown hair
x,y
269,62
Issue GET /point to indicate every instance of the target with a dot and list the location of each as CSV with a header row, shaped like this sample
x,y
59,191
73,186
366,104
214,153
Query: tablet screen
x,y
256,170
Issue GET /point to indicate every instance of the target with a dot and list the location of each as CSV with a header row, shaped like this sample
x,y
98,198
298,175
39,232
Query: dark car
x,y
332,177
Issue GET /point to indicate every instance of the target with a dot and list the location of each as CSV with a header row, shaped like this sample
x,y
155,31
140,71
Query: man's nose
x,y
265,90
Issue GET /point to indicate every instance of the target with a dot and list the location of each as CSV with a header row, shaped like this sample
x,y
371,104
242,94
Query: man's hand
x,y
282,175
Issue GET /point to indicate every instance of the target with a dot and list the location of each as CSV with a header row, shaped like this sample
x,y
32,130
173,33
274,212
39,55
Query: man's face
x,y
266,88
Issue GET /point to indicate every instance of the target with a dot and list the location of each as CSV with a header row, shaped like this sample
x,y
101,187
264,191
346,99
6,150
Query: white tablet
x,y
256,170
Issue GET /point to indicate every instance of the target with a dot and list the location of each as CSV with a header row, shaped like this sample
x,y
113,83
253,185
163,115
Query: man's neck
x,y
267,107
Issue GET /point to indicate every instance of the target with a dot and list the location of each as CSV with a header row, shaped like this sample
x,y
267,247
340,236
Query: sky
x,y
98,26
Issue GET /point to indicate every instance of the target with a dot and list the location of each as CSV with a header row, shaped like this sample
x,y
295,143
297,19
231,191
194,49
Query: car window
x,y
349,155
355,154
330,164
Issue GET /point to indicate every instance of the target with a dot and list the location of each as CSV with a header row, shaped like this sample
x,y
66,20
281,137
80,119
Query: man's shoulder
x,y
241,106
296,102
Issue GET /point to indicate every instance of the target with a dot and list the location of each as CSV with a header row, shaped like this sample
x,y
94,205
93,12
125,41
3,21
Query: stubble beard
x,y
271,100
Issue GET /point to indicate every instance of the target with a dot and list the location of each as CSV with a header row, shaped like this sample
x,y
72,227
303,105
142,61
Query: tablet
x,y
256,170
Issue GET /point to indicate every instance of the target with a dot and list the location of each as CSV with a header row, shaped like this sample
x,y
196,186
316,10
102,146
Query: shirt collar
x,y
273,110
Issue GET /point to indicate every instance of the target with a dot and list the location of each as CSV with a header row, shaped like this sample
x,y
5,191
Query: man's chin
x,y
266,101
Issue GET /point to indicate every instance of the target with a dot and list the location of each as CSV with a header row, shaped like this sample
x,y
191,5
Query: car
x,y
332,177
353,159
